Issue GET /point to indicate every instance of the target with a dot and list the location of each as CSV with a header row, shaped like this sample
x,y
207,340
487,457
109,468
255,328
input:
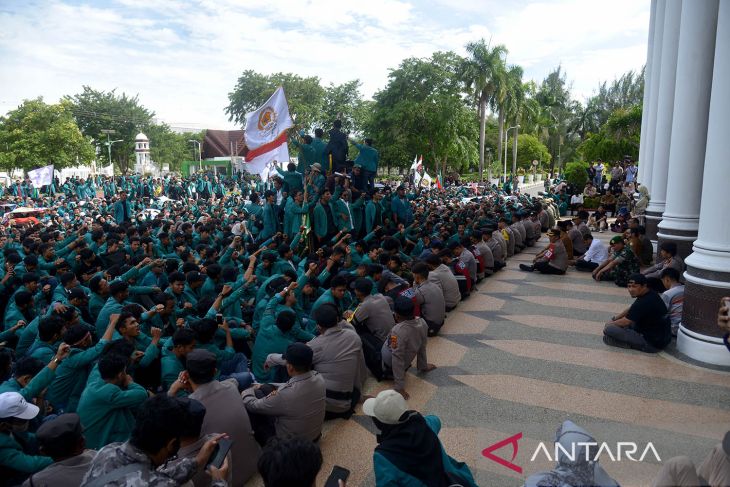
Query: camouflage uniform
x,y
627,264
119,455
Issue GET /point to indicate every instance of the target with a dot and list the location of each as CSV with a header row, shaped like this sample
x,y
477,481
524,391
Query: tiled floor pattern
x,y
522,355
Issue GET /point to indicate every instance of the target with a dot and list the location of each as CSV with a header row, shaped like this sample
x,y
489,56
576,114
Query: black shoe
x,y
612,342
526,268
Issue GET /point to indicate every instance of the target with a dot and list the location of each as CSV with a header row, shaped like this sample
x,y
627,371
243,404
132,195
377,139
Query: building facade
x,y
685,145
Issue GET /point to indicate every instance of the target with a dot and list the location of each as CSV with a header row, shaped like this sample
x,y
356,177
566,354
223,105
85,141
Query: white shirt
x,y
596,253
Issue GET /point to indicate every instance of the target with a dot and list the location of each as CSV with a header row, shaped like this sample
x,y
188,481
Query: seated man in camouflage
x,y
621,263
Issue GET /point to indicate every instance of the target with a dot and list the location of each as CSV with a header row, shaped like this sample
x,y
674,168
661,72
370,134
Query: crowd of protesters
x,y
149,320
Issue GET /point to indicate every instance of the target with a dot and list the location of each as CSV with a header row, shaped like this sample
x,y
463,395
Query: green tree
x,y
106,110
481,73
304,95
623,93
558,110
168,147
619,136
529,148
421,111
343,102
37,134
576,173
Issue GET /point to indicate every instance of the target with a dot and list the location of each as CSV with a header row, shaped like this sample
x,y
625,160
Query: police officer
x,y
294,409
407,341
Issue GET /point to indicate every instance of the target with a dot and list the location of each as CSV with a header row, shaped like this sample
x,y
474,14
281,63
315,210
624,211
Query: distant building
x,y
143,162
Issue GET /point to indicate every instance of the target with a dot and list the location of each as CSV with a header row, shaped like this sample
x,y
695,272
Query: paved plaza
x,y
524,354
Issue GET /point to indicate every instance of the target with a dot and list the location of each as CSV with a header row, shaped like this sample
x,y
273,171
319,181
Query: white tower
x,y
143,162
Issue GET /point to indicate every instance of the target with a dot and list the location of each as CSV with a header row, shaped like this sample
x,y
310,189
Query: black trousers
x,y
545,268
582,265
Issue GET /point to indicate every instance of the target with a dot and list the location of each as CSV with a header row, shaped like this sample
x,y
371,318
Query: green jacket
x,y
368,157
106,412
319,155
12,457
171,368
71,374
320,219
34,387
306,156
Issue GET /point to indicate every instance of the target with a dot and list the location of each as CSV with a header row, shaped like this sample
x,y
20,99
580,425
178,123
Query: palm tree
x,y
480,73
512,106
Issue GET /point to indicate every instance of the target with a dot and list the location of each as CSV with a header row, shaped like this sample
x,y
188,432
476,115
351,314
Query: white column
x,y
644,139
665,112
708,268
644,176
695,59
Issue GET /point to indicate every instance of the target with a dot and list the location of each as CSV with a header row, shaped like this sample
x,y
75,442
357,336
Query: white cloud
x,y
183,57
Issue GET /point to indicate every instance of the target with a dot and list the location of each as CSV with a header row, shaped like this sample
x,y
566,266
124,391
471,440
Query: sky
x,y
183,57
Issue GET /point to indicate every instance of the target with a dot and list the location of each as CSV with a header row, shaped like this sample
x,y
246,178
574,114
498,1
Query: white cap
x,y
13,405
387,407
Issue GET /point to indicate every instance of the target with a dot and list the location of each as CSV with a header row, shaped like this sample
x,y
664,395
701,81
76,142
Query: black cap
x,y
61,430
326,315
299,355
403,306
200,360
637,278
196,409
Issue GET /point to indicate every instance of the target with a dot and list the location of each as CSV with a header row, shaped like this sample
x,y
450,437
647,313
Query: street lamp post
x,y
110,143
200,154
506,137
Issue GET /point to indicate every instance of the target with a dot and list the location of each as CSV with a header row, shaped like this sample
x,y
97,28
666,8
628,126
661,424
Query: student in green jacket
x,y
107,407
65,390
31,377
173,357
50,331
16,462
324,223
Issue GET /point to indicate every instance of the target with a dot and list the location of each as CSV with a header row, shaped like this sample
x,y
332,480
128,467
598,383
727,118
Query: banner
x,y
266,135
42,176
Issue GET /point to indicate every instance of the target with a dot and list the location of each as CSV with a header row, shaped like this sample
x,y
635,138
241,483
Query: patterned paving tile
x,y
459,323
443,352
592,287
571,303
481,302
645,364
558,323
498,287
681,418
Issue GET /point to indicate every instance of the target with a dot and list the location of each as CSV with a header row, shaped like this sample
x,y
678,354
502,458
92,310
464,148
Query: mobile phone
x,y
219,454
338,473
219,318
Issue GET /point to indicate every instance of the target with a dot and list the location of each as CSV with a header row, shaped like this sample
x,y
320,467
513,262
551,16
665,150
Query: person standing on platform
x,y
368,159
336,148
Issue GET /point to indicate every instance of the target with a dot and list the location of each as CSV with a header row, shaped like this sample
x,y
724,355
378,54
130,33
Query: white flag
x,y
42,176
414,166
266,134
426,180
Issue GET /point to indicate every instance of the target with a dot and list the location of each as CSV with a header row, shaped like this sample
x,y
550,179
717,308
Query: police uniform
x,y
298,406
375,314
407,341
431,300
339,359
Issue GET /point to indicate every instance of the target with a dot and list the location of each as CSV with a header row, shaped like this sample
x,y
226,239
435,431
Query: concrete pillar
x,y
708,268
644,175
665,112
695,59
644,139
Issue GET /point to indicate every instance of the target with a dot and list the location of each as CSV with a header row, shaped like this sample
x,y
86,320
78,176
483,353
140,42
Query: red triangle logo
x,y
512,440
